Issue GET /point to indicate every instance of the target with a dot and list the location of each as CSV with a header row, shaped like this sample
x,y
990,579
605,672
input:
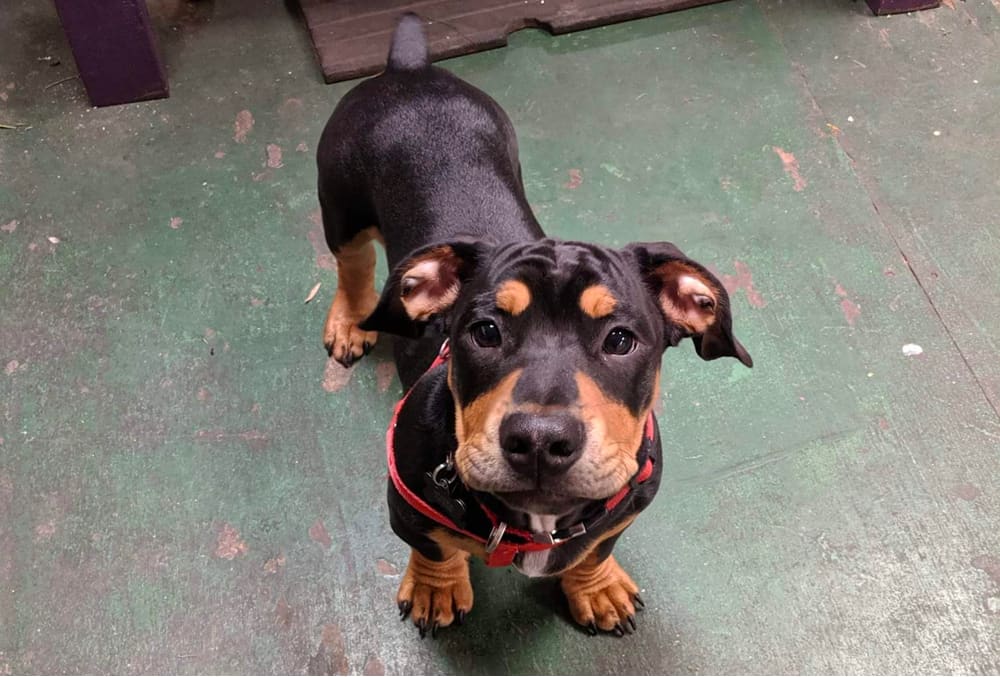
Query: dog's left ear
x,y
425,284
692,300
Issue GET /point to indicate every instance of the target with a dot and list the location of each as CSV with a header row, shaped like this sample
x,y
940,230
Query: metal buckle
x,y
496,534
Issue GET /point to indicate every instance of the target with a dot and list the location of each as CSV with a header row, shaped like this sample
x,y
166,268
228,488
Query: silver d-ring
x,y
443,482
436,476
496,535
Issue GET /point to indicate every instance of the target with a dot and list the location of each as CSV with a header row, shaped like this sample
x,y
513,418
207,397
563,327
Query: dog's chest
x,y
536,563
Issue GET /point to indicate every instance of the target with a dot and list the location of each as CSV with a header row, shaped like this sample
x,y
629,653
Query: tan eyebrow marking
x,y
597,301
513,296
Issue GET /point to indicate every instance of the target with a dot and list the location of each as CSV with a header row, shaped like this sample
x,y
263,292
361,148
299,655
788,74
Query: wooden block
x,y
898,6
115,50
351,37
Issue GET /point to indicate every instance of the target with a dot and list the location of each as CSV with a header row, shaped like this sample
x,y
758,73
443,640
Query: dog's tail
x,y
409,45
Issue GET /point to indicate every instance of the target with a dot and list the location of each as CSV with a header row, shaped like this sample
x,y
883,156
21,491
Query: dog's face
x,y
555,355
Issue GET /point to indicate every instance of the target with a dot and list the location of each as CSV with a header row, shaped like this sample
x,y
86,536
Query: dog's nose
x,y
536,443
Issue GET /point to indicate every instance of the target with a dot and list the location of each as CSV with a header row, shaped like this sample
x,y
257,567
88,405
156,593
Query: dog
x,y
529,438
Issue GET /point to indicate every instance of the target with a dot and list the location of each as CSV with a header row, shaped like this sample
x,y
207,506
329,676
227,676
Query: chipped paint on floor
x,y
187,485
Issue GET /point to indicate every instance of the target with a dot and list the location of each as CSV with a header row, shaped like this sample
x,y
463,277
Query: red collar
x,y
503,543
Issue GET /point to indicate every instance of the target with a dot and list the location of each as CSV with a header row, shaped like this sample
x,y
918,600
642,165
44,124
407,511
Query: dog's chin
x,y
540,502
524,495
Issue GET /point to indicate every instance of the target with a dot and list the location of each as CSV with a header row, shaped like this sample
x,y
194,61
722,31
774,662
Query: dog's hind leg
x,y
356,297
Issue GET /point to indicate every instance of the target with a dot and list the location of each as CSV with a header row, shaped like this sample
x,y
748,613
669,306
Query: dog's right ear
x,y
425,284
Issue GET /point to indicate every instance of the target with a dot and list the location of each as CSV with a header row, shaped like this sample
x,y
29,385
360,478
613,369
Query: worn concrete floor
x,y
185,488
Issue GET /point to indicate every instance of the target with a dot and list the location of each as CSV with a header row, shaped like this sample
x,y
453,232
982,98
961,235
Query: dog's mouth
x,y
541,502
587,481
540,495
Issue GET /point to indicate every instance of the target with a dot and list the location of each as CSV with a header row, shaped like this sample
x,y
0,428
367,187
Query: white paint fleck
x,y
912,349
53,239
850,118
937,132
614,171
313,291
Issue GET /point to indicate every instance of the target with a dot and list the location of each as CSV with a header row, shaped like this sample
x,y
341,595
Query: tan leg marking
x,y
436,593
601,595
355,299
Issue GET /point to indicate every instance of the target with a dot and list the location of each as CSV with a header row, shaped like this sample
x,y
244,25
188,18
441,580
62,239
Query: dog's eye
x,y
485,334
620,341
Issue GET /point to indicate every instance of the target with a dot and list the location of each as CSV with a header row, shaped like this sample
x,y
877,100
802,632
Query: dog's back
x,y
418,145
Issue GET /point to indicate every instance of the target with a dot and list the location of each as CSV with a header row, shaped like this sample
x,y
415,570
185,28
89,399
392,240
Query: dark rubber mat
x,y
351,37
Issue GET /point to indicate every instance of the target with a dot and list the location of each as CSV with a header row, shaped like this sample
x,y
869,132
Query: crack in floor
x,y
867,184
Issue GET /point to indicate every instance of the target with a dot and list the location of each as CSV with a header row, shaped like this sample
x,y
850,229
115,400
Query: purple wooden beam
x,y
898,6
115,50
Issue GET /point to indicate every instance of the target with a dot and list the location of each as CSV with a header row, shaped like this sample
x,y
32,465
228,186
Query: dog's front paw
x,y
602,596
344,340
435,594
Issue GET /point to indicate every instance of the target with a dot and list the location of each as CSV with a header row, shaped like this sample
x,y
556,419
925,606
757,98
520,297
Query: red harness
x,y
501,551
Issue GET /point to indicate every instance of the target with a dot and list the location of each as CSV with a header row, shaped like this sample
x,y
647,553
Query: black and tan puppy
x,y
530,441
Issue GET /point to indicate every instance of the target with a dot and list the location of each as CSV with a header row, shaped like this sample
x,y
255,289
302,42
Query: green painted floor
x,y
185,487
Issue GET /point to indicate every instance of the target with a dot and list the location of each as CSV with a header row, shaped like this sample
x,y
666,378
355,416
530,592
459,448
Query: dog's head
x,y
555,355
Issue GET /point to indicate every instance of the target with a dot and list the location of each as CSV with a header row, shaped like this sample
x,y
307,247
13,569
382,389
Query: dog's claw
x,y
460,618
592,628
434,630
422,627
631,621
617,631
638,600
366,347
404,609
